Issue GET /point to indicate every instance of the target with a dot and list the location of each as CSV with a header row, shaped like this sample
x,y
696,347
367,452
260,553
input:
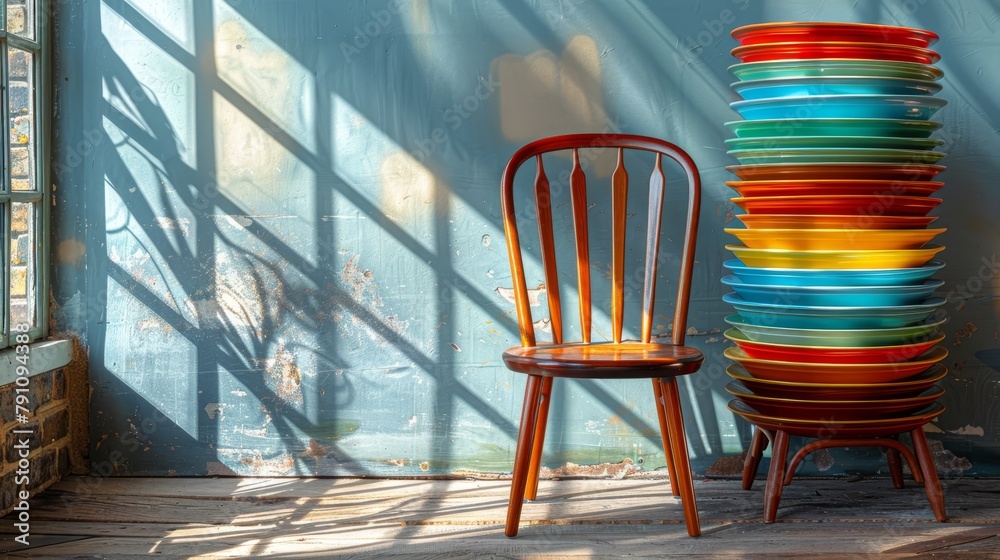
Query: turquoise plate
x,y
835,337
911,107
868,142
842,296
833,127
832,277
827,317
833,85
835,67
835,155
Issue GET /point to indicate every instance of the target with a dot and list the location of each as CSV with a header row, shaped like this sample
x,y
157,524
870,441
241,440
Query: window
x,y
23,183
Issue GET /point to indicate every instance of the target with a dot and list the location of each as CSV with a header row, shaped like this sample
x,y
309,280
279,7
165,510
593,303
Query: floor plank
x,y
368,518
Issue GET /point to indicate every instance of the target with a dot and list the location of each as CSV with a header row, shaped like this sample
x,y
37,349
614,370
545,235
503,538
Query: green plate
x,y
835,67
834,337
835,155
833,127
784,142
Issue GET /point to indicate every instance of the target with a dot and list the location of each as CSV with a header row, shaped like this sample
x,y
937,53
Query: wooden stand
x,y
780,474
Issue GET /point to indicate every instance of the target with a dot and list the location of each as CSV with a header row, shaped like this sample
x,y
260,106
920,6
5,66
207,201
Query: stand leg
x,y
775,476
932,485
750,465
895,467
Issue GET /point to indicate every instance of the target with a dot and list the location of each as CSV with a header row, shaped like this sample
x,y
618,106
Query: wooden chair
x,y
542,362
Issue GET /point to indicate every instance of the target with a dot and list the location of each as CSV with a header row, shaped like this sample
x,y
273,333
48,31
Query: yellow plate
x,y
834,259
834,239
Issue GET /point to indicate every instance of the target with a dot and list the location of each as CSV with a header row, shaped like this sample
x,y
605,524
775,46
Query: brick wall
x,y
48,443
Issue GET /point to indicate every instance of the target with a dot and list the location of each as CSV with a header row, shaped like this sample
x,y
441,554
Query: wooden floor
x,y
462,519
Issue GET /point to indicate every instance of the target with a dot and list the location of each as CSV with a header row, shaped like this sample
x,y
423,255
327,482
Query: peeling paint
x,y
314,449
179,224
365,292
533,295
215,409
731,465
823,460
969,430
602,470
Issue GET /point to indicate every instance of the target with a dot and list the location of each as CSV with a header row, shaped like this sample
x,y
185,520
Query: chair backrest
x,y
578,197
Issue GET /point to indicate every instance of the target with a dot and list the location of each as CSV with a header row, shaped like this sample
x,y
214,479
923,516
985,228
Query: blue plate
x,y
844,296
832,277
833,85
835,338
824,317
912,107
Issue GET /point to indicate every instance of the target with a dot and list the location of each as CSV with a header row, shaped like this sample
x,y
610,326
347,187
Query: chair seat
x,y
627,360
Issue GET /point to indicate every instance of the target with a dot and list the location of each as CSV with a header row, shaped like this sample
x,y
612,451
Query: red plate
x,y
830,354
798,50
909,387
835,373
834,409
778,32
860,205
825,221
827,429
834,187
812,171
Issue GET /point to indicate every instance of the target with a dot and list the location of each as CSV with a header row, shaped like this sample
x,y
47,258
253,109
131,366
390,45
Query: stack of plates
x,y
833,280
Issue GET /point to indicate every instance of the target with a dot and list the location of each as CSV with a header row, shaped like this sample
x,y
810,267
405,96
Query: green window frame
x,y
24,182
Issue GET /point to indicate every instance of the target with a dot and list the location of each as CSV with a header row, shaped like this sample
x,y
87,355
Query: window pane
x,y
22,120
21,18
23,264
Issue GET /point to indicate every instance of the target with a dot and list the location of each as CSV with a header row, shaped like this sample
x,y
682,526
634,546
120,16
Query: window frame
x,y
41,101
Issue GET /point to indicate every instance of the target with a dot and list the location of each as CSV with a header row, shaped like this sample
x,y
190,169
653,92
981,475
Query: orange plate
x,y
778,32
834,187
826,221
764,52
831,354
827,429
909,387
836,372
863,205
886,171
834,409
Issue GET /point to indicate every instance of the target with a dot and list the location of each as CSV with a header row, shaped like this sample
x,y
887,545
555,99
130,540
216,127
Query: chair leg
x,y
522,453
665,435
531,490
775,476
752,462
678,444
895,467
932,485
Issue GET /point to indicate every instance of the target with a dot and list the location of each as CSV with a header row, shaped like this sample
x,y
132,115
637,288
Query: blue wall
x,y
278,233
